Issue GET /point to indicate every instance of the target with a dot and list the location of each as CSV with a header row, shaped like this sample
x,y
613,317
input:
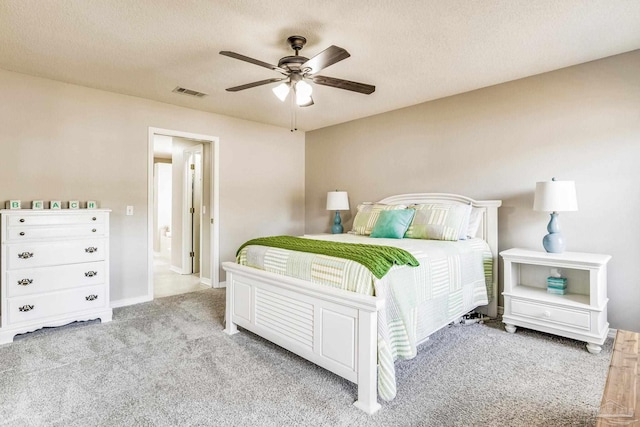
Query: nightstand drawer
x,y
551,314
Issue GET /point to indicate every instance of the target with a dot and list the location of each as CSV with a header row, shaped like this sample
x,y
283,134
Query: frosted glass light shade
x,y
337,201
303,93
555,196
281,91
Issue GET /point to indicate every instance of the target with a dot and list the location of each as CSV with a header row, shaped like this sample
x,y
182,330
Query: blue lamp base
x,y
554,241
337,224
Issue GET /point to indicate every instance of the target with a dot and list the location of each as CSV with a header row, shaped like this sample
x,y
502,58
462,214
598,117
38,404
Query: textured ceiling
x,y
412,50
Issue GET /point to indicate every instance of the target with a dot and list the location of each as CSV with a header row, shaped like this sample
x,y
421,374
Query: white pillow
x,y
475,218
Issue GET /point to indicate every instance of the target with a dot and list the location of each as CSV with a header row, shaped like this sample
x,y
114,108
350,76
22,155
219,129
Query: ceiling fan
x,y
298,70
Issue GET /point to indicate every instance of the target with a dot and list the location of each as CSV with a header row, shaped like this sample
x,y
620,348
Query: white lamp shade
x,y
337,201
555,196
303,93
281,91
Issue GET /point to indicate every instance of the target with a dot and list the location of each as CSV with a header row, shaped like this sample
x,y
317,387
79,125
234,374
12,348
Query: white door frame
x,y
214,198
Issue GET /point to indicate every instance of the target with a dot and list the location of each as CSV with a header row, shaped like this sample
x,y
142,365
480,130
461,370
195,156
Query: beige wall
x,y
580,123
69,142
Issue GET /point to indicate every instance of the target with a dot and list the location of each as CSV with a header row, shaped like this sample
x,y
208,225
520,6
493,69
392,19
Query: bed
x,y
353,334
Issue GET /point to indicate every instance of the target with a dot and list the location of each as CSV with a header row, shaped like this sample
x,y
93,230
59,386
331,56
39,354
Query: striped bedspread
x,y
452,279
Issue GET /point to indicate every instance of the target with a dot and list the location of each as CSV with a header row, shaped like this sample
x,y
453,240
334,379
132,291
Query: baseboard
x,y
130,301
206,281
175,269
222,284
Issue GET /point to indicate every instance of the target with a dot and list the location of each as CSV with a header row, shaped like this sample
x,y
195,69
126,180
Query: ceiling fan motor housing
x,y
292,63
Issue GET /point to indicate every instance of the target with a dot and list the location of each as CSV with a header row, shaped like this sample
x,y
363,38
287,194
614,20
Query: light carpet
x,y
168,363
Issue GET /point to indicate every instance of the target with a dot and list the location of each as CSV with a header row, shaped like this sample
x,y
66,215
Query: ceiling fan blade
x,y
254,84
344,84
327,57
253,61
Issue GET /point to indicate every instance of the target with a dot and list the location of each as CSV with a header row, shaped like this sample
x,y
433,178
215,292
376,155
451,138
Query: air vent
x,y
189,92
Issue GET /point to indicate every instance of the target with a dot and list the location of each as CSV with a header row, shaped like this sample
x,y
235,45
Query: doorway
x,y
183,212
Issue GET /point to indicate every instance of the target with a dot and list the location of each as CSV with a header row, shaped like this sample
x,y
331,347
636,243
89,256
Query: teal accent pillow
x,y
393,224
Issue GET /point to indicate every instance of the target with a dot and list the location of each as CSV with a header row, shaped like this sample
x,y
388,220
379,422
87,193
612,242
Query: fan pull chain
x,y
294,121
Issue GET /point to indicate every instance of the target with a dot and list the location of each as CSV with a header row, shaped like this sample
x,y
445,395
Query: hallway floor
x,y
167,282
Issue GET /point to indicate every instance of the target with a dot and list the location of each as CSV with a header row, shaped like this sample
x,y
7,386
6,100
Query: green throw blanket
x,y
378,259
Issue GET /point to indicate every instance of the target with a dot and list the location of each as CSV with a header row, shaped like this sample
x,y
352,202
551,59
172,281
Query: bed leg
x,y
367,363
230,327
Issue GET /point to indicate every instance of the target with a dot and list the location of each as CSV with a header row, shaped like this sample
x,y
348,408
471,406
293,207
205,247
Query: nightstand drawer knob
x,y
547,314
21,219
22,233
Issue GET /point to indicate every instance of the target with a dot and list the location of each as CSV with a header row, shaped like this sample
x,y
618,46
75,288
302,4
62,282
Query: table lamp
x,y
337,201
555,196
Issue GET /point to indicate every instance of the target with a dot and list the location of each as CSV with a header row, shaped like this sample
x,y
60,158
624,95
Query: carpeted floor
x,y
168,363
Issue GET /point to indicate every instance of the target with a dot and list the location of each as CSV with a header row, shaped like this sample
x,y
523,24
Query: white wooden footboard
x,y
332,328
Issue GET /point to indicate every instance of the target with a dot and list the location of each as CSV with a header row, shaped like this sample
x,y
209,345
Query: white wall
x,y
580,123
61,141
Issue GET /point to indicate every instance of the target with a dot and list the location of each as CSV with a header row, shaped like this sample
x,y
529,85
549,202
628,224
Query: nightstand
x,y
579,314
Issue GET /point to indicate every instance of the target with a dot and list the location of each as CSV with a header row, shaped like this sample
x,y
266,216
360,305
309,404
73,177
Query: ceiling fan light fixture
x,y
281,91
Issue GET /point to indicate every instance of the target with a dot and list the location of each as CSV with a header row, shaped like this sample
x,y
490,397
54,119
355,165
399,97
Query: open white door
x,y
192,210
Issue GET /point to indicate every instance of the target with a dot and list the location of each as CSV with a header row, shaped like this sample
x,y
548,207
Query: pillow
x,y
439,221
474,222
464,230
367,216
393,224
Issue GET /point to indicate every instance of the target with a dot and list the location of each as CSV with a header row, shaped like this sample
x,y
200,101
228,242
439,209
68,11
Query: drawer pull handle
x,y
91,250
91,273
21,219
25,282
26,307
94,218
25,255
93,230
91,297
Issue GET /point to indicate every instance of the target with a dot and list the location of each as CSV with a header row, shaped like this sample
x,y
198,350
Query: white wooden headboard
x,y
488,226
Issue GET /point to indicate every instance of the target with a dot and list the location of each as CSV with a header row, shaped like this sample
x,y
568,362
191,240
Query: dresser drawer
x,y
34,307
45,218
29,255
17,234
551,314
47,279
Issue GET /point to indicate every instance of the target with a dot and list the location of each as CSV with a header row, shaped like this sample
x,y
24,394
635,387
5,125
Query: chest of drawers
x,y
54,269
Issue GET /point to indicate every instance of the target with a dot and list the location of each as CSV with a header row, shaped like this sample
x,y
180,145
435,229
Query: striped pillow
x,y
367,216
439,221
